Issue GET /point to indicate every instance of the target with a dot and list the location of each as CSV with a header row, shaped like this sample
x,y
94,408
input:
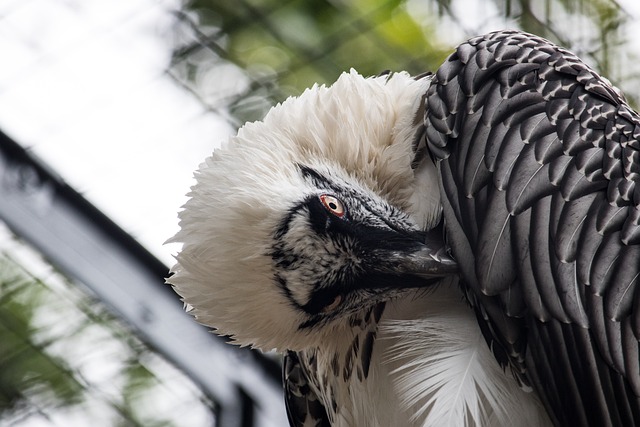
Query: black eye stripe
x,y
319,180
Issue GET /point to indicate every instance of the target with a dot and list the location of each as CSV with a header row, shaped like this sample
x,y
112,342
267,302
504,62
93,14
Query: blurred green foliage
x,y
26,369
241,57
280,48
63,356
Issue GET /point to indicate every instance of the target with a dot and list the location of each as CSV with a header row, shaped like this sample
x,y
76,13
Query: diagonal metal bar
x,y
93,251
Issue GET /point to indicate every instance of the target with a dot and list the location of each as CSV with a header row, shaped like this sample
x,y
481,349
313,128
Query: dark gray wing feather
x,y
540,162
304,409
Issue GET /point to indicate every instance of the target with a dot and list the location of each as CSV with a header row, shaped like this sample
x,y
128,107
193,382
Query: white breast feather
x,y
446,374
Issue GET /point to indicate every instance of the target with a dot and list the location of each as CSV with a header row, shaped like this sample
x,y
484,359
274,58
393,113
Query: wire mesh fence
x,y
125,279
242,57
68,358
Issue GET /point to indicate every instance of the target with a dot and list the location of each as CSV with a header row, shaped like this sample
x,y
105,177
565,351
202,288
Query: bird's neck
x,y
423,355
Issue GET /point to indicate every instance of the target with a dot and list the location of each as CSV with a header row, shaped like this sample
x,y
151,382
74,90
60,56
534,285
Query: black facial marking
x,y
331,255
282,284
283,258
311,322
322,182
320,298
317,179
319,218
283,227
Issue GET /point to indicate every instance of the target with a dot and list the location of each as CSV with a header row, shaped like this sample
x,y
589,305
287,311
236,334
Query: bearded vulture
x,y
455,249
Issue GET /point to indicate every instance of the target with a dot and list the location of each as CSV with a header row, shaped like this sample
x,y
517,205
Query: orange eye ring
x,y
333,205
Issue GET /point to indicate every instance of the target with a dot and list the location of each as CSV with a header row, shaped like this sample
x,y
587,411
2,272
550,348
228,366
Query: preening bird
x,y
447,250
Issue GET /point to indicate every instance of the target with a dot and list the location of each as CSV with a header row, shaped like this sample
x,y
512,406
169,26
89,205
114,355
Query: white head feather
x,y
359,130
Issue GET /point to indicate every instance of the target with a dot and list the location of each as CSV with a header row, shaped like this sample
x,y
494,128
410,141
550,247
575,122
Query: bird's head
x,y
311,215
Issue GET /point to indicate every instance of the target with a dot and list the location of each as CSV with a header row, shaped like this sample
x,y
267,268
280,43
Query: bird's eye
x,y
332,305
333,205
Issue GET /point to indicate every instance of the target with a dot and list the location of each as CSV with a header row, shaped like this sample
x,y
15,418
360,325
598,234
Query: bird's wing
x,y
540,162
304,409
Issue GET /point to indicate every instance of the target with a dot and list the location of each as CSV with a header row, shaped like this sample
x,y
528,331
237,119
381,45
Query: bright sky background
x,y
83,83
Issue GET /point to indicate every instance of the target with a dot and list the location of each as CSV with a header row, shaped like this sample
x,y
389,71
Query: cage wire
x,y
241,58
67,360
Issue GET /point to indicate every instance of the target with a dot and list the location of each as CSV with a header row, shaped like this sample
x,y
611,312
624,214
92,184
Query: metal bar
x,y
91,249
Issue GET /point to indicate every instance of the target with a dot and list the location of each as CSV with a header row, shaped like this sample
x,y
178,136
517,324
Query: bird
x,y
448,249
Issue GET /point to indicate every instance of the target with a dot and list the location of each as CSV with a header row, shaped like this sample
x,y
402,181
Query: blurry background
x,y
115,103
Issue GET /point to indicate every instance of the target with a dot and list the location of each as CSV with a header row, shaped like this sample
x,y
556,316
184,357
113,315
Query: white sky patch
x,y
632,7
83,85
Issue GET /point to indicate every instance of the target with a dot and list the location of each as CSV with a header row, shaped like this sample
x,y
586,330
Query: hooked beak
x,y
419,254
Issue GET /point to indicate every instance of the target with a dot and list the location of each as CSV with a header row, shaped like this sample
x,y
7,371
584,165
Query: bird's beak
x,y
420,254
